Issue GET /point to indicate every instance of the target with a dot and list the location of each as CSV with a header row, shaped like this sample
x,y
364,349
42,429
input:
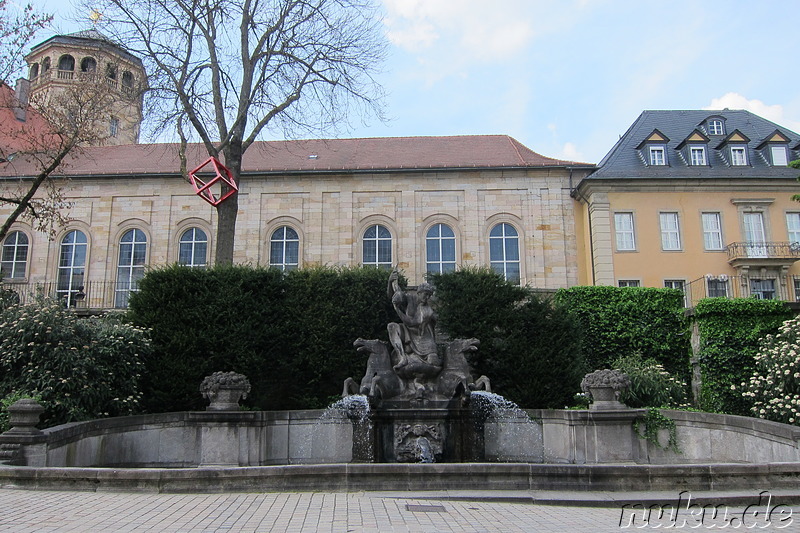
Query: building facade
x,y
699,200
422,204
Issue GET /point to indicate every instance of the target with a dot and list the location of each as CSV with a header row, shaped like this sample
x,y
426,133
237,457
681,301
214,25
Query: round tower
x,y
59,64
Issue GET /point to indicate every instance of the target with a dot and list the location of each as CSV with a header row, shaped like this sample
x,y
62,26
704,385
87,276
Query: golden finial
x,y
95,15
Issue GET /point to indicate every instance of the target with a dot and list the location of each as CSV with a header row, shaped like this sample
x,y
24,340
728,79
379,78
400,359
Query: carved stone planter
x,y
604,397
23,416
226,399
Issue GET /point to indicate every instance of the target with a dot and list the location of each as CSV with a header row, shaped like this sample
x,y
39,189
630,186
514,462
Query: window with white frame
x,y
504,251
440,249
658,156
716,127
625,234
113,127
779,157
193,248
130,267
71,266
717,288
377,246
712,231
284,249
697,155
738,156
670,231
14,257
629,283
793,227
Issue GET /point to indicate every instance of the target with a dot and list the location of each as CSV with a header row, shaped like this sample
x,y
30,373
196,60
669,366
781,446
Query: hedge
x,y
730,334
618,322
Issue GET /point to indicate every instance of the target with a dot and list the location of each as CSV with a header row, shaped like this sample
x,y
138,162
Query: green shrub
x,y
774,387
616,321
651,385
82,368
291,334
730,334
530,347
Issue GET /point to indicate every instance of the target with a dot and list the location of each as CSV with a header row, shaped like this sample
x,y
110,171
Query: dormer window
x,y
697,155
716,127
779,157
658,156
653,149
775,149
738,156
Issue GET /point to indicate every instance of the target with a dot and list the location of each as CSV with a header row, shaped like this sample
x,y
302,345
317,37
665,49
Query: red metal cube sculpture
x,y
221,175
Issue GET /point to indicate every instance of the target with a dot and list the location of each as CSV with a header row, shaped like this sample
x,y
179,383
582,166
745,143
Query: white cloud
x,y
774,112
473,28
570,152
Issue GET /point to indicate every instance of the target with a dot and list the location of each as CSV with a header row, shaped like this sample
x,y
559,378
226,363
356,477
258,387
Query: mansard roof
x,y
320,156
627,161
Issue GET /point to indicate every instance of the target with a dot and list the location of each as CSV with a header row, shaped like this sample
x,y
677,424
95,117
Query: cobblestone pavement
x,y
44,511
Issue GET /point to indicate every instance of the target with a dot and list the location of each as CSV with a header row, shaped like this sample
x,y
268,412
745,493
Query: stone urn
x,y
224,390
604,388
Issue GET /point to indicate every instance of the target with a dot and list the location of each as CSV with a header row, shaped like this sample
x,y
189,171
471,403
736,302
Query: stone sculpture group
x,y
412,366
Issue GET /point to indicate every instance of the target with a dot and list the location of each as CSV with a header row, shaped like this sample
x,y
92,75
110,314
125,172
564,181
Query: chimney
x,y
23,92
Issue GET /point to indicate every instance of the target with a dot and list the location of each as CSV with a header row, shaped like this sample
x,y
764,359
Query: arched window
x,y
440,249
127,80
111,72
71,266
504,251
34,71
45,64
193,248
130,268
377,250
66,62
14,256
284,249
88,64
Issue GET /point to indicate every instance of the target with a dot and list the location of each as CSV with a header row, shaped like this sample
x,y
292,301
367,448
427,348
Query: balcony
x,y
92,295
763,253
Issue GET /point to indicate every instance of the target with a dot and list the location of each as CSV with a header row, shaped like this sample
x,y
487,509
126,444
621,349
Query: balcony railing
x,y
763,250
90,295
768,288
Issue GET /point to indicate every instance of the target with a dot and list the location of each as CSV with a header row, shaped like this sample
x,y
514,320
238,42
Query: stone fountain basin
x,y
295,450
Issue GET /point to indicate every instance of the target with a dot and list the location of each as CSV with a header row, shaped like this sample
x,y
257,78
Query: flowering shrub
x,y
774,386
650,384
81,368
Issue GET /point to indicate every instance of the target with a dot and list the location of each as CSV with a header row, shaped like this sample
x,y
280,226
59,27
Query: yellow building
x,y
699,200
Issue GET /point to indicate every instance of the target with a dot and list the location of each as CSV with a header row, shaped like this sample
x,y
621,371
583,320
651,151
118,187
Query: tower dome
x,y
62,64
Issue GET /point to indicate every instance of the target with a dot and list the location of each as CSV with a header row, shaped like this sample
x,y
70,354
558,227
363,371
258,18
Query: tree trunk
x,y
228,210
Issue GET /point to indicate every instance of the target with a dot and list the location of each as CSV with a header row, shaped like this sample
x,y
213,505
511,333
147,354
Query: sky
x,y
568,77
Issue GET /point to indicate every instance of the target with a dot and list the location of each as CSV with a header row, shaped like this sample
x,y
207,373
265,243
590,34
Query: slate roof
x,y
626,161
88,38
317,156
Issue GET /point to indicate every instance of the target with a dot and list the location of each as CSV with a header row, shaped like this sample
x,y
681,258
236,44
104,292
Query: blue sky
x,y
568,77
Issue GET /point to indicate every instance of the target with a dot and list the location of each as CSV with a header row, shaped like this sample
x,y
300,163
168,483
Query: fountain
x,y
419,390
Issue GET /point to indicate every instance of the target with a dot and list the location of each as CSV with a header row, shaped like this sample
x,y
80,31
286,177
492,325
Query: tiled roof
x,y
320,155
626,161
16,135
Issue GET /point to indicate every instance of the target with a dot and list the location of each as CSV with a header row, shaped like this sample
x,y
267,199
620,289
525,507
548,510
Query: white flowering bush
x,y
774,387
80,368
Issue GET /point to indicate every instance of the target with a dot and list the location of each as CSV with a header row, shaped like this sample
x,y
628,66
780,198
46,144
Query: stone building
x,y
419,203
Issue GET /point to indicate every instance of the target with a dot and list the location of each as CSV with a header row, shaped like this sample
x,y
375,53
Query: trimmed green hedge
x,y
617,322
291,335
530,347
730,335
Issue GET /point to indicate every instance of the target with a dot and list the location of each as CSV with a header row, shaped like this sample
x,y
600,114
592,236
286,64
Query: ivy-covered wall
x,y
617,322
730,333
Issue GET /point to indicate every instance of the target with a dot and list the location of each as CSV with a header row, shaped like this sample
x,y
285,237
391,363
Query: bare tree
x,y
18,27
225,72
38,138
